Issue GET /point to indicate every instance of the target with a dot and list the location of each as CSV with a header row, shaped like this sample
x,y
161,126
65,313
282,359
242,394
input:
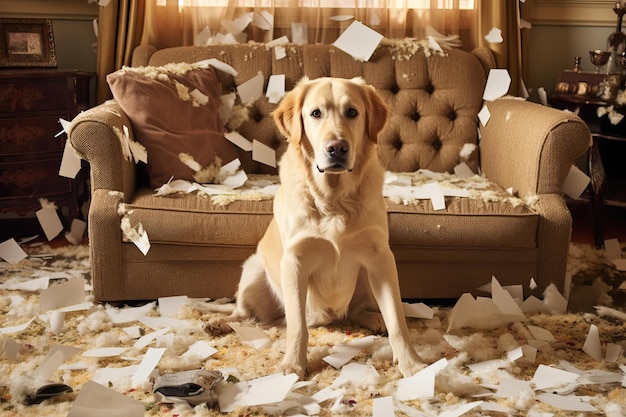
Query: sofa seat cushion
x,y
193,219
489,218
466,222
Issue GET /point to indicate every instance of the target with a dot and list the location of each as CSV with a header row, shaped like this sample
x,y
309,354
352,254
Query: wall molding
x,y
570,12
46,9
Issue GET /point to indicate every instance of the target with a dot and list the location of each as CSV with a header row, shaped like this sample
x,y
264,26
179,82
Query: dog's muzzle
x,y
336,152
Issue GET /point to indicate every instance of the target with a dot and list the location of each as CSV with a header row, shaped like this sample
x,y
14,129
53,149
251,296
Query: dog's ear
x,y
377,112
288,114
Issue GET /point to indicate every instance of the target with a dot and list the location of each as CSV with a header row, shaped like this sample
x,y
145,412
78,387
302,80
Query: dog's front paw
x,y
293,368
216,326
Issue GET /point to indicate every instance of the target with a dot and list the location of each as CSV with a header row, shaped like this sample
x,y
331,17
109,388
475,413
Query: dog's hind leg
x,y
363,308
254,299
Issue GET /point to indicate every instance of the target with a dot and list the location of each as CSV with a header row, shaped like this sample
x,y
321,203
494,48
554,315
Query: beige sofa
x,y
197,247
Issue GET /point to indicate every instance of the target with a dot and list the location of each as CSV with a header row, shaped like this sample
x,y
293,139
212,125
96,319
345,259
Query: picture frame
x,y
27,43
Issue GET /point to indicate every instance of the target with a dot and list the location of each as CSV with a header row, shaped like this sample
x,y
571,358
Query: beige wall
x,y
72,26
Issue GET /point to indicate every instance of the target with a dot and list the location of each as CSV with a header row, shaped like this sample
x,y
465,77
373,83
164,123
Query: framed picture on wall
x,y
27,43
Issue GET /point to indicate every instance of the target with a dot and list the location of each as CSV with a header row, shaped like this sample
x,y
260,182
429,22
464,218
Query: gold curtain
x,y
125,24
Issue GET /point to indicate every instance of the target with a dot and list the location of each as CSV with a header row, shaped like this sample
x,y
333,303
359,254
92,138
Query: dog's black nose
x,y
337,148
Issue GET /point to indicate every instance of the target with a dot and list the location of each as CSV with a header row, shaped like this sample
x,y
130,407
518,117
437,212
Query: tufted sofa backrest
x,y
434,101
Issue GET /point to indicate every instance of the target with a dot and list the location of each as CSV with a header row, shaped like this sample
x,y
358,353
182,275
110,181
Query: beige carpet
x,y
536,366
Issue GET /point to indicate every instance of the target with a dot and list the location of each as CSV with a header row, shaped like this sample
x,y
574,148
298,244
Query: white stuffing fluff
x,y
95,322
467,150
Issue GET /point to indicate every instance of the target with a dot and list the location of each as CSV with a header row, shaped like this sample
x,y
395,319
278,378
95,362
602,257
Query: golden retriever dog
x,y
325,256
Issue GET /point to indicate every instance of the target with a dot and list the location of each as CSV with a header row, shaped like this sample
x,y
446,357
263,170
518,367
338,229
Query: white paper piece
x,y
147,365
70,163
77,231
128,314
263,153
463,170
95,400
253,336
280,52
238,25
345,352
202,349
497,85
275,88
592,344
505,302
62,295
17,328
263,20
11,349
57,318
328,393
494,36
613,352
420,385
341,17
11,251
300,33
49,221
203,37
509,387
227,101
612,249
546,377
359,41
352,372
218,65
283,40
541,333
484,115
239,140
106,375
104,352
459,411
146,339
576,182
170,306
269,389
252,89
566,402
157,323
417,310
543,96
383,407
620,264
139,152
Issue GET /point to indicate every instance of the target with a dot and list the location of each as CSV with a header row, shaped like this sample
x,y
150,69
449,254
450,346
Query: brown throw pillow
x,y
169,117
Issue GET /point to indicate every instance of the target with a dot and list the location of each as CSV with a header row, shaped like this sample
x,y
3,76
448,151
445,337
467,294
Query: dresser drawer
x,y
29,135
23,95
32,179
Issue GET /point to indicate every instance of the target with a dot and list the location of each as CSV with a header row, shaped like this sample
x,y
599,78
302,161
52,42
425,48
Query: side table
x,y
584,93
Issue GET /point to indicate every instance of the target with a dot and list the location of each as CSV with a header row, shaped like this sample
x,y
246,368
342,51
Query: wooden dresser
x,y
31,103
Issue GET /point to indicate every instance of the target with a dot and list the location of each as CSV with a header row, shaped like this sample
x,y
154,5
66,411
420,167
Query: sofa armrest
x,y
531,147
97,137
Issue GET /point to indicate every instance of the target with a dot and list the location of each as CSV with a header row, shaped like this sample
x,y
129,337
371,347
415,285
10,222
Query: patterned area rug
x,y
540,365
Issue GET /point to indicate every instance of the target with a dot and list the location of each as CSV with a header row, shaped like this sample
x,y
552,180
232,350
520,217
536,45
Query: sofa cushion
x,y
169,119
491,218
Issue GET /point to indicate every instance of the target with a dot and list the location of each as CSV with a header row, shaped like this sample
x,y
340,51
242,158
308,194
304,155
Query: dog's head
x,y
334,120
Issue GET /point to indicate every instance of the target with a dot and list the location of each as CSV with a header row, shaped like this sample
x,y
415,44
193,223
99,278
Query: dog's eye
x,y
316,113
351,113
